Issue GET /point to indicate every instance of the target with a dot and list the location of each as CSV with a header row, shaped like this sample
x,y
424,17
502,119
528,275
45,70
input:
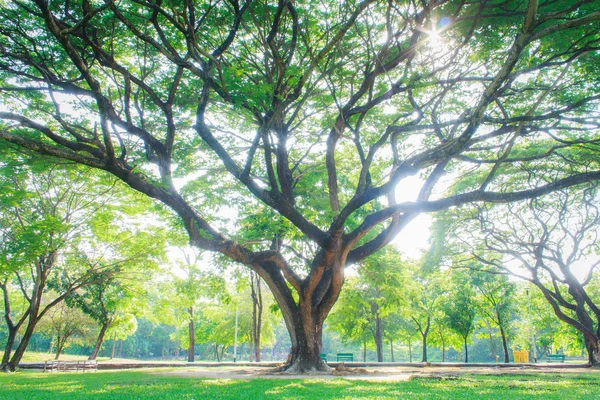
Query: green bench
x,y
345,357
555,358
323,357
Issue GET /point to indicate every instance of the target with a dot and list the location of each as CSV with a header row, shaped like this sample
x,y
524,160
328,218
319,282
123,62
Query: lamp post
x,y
235,336
531,331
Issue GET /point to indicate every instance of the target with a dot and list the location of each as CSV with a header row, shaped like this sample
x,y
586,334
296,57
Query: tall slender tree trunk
x,y
120,348
443,345
409,351
99,340
192,335
257,309
364,351
13,364
466,351
379,337
60,342
392,350
10,342
51,346
112,351
492,344
424,335
504,345
13,328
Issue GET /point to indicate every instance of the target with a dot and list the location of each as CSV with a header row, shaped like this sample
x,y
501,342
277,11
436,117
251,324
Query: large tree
x,y
317,110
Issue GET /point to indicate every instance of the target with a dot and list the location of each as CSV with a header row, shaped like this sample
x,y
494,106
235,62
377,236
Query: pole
x,y
235,337
531,331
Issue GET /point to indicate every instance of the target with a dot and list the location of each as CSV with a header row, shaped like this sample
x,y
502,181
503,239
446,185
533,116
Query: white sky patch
x,y
413,240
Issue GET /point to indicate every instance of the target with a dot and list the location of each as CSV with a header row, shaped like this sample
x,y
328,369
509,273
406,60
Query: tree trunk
x,y
120,348
13,364
99,341
51,345
409,351
379,337
504,345
443,346
306,333
466,351
424,359
593,350
112,351
392,350
192,334
13,328
364,351
424,336
10,341
257,309
60,342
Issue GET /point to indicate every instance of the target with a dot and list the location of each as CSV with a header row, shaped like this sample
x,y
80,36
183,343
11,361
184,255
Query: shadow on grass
x,y
145,385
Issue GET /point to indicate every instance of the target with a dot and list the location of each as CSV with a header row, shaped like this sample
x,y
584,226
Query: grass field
x,y
151,384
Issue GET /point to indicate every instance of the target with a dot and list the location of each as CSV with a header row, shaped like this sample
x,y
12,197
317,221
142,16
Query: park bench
x,y
555,358
323,357
64,366
345,357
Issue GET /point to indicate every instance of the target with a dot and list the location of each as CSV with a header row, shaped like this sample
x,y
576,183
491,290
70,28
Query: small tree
x,y
66,326
460,308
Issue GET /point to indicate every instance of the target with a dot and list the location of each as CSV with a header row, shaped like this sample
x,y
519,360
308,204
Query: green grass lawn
x,y
150,384
36,356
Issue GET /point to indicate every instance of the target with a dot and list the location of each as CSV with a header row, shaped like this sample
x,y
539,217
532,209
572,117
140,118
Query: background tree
x,y
375,294
460,308
66,326
497,302
44,215
542,241
289,99
188,288
423,291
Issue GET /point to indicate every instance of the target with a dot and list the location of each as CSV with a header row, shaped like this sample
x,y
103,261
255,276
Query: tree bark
x,y
112,351
60,342
409,351
10,341
13,364
392,350
443,346
424,358
593,350
424,335
257,309
466,351
191,331
379,337
99,341
504,345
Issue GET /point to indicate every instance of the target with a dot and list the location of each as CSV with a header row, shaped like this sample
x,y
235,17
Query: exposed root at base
x,y
342,370
286,368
